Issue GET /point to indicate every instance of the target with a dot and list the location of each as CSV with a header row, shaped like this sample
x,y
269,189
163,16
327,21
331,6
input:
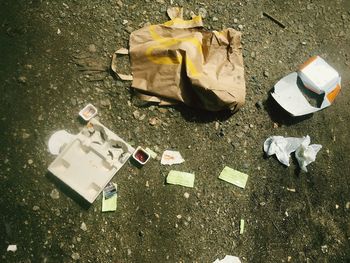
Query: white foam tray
x,y
90,161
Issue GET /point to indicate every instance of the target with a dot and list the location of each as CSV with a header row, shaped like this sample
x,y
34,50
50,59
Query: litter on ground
x,y
171,157
234,177
12,248
180,178
109,198
58,140
284,146
228,259
316,80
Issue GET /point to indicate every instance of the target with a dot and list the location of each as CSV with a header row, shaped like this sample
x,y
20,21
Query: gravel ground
x,y
42,89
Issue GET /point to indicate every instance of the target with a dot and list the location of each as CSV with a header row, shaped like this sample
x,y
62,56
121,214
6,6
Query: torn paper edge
x,y
121,51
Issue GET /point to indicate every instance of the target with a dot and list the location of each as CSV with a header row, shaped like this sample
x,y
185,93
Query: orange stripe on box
x,y
307,62
334,93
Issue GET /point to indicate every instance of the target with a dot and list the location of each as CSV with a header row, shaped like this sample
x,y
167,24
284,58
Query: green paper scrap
x,y
241,227
234,177
151,153
180,178
109,204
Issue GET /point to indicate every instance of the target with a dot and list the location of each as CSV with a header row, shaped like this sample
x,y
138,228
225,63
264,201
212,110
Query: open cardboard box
x,y
90,161
315,76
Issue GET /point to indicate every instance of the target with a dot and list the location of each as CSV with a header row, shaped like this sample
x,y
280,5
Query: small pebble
x,y
92,48
75,256
22,79
266,73
179,216
186,195
136,114
129,251
202,12
215,18
30,161
347,206
25,135
83,227
36,208
55,194
240,27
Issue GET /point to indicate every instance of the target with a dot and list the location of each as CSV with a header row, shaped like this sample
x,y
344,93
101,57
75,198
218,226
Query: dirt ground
x,y
42,90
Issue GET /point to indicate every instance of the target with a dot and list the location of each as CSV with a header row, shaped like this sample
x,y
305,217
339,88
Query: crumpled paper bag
x,y
179,61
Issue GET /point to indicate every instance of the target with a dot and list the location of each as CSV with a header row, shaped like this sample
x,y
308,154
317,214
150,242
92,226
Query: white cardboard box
x,y
90,161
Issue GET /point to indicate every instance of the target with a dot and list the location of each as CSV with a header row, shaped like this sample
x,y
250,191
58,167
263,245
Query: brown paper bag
x,y
180,61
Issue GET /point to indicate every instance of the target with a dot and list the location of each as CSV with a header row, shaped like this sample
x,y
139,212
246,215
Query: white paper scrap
x,y
228,259
171,157
12,248
306,153
282,147
57,140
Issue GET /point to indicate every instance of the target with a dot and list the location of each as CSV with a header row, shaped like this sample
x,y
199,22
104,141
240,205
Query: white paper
x,y
12,248
171,157
228,259
306,153
282,147
58,139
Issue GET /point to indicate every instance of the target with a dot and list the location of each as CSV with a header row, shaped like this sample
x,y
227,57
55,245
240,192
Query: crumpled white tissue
x,y
228,259
284,146
306,153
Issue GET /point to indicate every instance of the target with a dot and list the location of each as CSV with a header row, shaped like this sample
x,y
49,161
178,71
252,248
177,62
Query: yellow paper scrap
x,y
180,178
241,227
234,177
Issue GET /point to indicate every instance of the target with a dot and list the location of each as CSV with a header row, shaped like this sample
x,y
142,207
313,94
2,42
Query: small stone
x,y
25,135
217,124
55,194
22,79
235,20
240,27
129,251
36,208
324,249
125,22
136,114
186,195
162,110
215,19
105,103
153,121
30,161
147,184
336,206
75,256
202,12
59,31
347,206
266,74
179,216
92,48
83,226
142,117
251,125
